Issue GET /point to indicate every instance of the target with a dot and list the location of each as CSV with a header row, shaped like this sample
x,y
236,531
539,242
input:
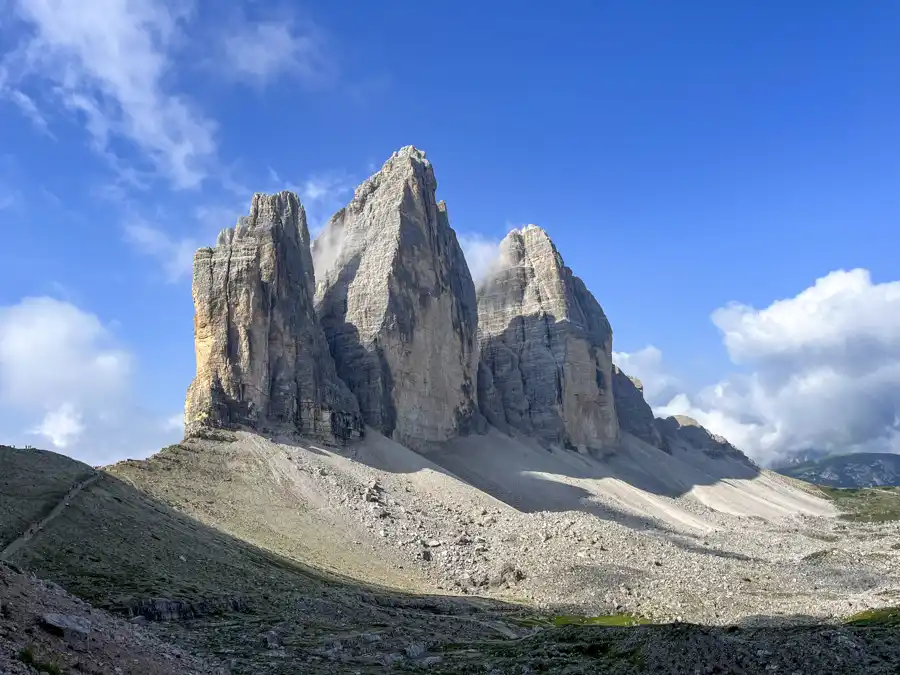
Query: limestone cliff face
x,y
397,304
546,348
262,359
634,414
686,433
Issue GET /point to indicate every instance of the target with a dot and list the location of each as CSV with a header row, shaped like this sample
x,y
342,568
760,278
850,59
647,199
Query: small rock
x,y
271,640
68,627
415,650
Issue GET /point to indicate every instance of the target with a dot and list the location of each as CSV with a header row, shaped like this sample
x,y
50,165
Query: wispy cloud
x,y
258,53
322,194
175,255
108,62
29,108
481,254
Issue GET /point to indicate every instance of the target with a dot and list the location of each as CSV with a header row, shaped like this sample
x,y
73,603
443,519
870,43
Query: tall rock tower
x,y
397,304
546,348
262,359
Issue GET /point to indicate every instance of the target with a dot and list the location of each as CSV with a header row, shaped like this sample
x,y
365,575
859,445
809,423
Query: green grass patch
x,y
887,616
576,620
27,656
609,620
869,505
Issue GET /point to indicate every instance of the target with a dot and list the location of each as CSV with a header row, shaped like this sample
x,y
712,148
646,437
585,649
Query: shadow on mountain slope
x,y
261,613
635,484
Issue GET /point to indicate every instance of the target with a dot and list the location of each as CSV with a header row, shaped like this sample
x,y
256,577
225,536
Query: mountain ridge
x,y
854,470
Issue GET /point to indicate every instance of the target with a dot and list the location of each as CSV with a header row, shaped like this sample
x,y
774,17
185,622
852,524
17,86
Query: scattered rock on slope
x,y
397,304
262,358
546,348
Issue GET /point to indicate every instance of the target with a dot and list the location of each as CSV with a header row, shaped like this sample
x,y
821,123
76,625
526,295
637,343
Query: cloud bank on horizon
x,y
821,371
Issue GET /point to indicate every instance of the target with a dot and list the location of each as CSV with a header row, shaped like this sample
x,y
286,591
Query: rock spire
x,y
546,348
262,359
397,304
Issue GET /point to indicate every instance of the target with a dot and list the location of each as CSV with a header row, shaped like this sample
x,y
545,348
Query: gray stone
x,y
262,359
686,433
397,304
633,412
72,628
546,348
271,640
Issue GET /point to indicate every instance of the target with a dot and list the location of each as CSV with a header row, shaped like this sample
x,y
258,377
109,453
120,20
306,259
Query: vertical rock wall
x,y
546,348
262,359
397,304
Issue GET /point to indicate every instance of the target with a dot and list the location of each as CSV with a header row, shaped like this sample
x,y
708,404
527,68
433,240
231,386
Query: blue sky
x,y
683,156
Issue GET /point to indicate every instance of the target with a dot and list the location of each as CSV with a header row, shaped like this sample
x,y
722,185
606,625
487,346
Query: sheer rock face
x,y
686,433
397,304
546,348
262,359
632,411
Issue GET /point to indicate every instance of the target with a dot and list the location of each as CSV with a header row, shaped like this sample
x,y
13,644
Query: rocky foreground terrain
x,y
389,469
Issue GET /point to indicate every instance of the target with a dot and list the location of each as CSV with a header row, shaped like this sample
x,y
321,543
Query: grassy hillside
x,y
130,551
31,483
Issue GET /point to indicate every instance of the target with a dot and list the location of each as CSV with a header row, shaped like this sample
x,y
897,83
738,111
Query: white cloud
x,y
258,53
52,353
29,108
174,422
110,62
481,254
61,426
176,255
322,194
64,378
824,371
647,365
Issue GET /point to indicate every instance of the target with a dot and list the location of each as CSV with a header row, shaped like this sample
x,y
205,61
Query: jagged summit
x,y
687,433
546,347
262,359
397,304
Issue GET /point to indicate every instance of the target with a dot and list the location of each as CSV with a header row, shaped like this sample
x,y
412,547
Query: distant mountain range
x,y
864,469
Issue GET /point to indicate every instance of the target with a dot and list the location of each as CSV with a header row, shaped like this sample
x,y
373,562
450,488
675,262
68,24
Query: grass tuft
x,y
885,617
26,656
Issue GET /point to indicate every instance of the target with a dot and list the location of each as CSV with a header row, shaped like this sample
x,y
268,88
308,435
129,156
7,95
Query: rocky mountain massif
x,y
412,350
859,470
385,470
